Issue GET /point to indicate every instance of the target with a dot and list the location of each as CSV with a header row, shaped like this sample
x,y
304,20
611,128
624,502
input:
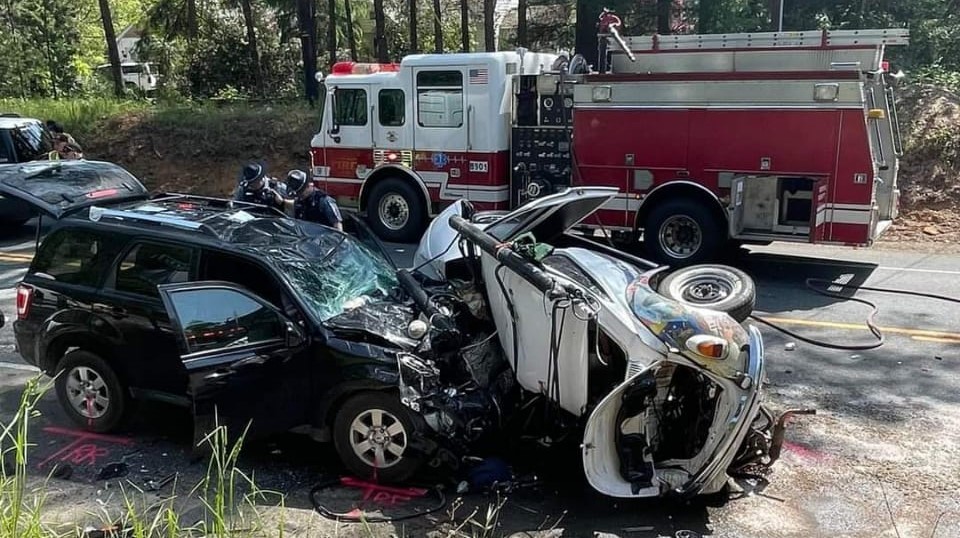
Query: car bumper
x,y
25,336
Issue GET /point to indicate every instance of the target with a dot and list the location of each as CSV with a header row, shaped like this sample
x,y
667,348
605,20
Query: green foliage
x,y
81,117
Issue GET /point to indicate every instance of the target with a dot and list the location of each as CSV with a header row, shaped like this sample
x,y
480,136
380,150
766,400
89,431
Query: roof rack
x,y
99,213
226,204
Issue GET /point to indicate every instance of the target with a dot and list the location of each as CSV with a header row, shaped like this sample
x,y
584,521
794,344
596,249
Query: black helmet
x,y
250,173
296,182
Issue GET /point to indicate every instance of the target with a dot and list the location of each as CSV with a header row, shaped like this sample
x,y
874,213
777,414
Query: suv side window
x,y
218,318
148,265
73,257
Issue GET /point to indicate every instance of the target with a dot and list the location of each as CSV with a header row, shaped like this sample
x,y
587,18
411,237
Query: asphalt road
x,y
879,459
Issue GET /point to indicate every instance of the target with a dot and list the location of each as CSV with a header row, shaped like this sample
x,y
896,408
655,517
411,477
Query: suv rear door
x,y
58,188
246,362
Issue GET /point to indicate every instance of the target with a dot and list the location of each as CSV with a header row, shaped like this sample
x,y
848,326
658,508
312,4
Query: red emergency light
x,y
885,66
355,68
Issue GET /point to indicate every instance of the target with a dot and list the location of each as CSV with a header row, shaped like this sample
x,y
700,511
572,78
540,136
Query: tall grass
x,y
20,513
80,117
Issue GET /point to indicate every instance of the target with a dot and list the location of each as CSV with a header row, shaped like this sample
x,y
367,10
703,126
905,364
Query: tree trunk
x,y
586,30
707,17
489,37
521,23
247,7
464,26
351,38
379,32
414,45
112,51
191,20
437,28
663,16
332,30
308,40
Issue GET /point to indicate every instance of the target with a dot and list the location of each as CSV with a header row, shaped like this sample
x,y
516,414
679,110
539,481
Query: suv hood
x,y
58,188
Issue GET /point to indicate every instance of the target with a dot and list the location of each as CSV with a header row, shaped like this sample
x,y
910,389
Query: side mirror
x,y
294,336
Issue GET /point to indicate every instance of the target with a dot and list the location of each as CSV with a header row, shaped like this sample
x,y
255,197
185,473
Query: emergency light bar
x,y
355,68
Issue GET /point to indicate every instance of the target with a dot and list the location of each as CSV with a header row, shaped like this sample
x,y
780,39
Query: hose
x,y
812,284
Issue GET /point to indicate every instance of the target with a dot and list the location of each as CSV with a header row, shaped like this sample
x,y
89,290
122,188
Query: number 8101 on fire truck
x,y
709,138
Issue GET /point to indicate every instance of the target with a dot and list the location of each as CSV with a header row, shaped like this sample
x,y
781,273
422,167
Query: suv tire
x,y
376,427
396,211
86,380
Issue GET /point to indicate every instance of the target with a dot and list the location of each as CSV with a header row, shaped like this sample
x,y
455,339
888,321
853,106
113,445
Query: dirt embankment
x,y
930,167
202,151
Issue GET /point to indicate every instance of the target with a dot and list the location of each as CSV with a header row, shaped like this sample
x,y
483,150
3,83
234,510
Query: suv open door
x,y
248,365
58,188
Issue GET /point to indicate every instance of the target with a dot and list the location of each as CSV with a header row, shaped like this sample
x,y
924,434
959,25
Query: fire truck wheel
x,y
681,233
717,287
396,211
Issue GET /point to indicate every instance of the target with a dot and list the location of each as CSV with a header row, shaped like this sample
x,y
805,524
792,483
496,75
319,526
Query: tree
x,y
306,20
112,51
437,27
351,38
332,30
489,35
414,45
664,12
379,32
464,26
522,23
249,22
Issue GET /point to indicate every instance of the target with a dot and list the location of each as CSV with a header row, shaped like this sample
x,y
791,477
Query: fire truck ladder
x,y
860,50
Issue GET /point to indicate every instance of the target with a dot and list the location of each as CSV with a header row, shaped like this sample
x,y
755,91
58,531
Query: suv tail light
x,y
24,298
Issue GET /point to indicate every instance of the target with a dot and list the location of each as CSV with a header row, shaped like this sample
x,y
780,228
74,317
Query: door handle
x,y
219,374
114,311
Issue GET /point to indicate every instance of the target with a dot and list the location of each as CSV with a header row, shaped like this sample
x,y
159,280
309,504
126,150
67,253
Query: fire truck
x,y
710,139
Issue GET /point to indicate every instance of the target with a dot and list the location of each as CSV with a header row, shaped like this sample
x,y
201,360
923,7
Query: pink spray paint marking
x,y
85,449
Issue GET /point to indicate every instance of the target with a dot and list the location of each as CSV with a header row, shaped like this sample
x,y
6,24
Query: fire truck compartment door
x,y
737,206
350,124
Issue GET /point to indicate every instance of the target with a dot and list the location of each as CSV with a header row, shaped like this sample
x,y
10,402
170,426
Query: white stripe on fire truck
x,y
859,207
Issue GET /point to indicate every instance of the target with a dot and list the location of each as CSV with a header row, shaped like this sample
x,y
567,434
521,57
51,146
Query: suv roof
x,y
8,122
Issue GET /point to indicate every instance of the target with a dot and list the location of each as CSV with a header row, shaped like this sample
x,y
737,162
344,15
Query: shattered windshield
x,y
349,276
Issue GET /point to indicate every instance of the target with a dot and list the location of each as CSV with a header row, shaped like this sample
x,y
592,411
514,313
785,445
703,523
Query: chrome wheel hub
x,y
394,212
680,236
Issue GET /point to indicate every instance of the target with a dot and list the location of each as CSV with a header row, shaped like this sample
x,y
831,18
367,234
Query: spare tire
x,y
717,287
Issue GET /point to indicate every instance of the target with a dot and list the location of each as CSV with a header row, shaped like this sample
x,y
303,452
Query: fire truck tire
x,y
682,232
397,211
718,287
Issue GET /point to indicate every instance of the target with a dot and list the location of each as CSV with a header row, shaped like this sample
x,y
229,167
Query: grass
x,y
80,117
229,496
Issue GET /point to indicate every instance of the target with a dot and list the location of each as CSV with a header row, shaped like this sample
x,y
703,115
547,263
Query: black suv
x,y
205,302
21,140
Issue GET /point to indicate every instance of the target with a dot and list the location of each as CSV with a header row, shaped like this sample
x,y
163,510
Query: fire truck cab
x,y
401,141
710,139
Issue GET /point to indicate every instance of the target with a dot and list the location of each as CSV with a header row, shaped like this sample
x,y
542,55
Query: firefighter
x,y
254,186
310,203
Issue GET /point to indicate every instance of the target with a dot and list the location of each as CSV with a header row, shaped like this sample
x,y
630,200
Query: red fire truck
x,y
710,138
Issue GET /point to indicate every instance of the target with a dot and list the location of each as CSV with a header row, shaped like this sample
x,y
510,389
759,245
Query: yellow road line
x,y
918,333
937,340
14,257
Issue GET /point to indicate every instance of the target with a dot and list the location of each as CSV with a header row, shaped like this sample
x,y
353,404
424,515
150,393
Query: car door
x,y
248,365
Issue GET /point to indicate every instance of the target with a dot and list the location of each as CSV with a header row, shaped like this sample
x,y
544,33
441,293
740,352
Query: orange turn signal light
x,y
709,347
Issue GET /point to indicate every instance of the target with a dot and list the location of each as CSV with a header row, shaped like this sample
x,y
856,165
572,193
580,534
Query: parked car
x,y
21,140
140,77
278,324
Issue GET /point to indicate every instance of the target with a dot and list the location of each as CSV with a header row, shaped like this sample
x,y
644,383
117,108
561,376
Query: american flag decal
x,y
479,76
